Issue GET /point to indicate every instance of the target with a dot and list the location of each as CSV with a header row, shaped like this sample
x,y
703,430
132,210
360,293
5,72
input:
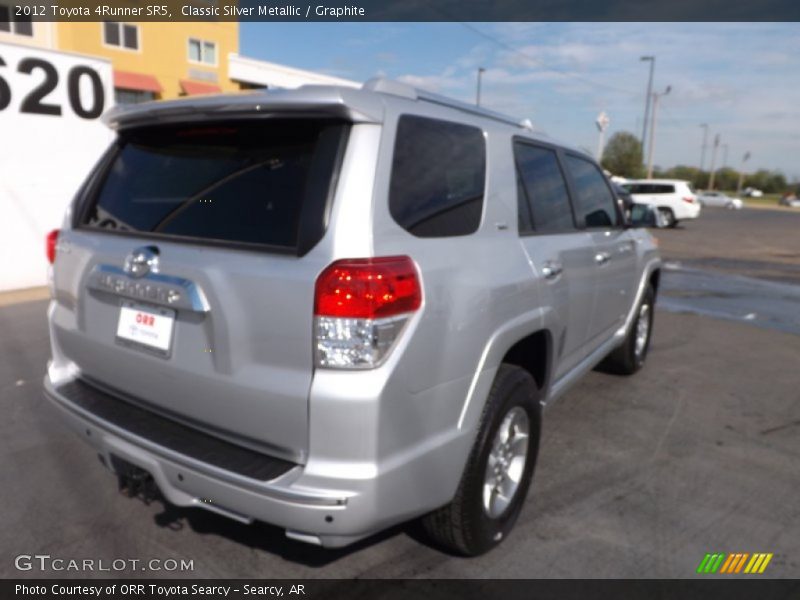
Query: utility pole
x,y
713,163
703,147
481,71
745,158
602,123
656,96
652,61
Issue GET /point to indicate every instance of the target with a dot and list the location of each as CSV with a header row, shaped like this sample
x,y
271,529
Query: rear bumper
x,y
687,210
330,509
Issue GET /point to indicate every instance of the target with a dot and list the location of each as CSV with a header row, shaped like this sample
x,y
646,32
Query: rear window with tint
x,y
438,176
246,183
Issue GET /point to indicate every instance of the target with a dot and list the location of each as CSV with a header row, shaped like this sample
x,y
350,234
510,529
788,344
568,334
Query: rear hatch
x,y
187,286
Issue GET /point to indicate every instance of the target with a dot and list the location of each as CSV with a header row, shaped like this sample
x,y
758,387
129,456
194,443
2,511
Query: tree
x,y
623,155
767,181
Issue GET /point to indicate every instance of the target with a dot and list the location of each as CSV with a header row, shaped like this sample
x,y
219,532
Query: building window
x,y
246,85
122,35
132,96
17,24
202,52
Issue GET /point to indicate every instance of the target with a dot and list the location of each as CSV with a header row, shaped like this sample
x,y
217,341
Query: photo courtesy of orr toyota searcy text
x,y
162,591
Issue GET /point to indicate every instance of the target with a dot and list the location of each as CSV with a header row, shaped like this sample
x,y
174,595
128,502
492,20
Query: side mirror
x,y
644,215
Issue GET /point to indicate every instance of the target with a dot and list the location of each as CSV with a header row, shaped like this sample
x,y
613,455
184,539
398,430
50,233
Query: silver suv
x,y
335,310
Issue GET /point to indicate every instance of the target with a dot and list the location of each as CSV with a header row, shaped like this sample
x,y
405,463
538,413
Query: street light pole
x,y
481,71
652,61
724,155
653,130
703,147
713,163
745,158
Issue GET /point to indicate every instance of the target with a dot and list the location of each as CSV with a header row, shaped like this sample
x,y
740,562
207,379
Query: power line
x,y
542,64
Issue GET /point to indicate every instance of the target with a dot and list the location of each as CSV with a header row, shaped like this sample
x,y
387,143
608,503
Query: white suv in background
x,y
674,199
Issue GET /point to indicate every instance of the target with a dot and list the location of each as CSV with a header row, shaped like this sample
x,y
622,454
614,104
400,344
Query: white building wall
x,y
43,157
271,75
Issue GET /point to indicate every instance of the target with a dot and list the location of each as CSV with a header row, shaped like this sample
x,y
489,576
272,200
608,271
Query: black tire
x,y
464,526
626,359
668,216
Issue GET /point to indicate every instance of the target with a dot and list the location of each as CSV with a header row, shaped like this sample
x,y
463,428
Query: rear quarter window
x,y
438,177
243,183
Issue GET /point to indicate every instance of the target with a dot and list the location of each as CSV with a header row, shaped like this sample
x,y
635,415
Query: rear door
x,y
187,286
561,254
614,256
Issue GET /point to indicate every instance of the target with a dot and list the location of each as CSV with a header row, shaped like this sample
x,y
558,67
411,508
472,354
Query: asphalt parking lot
x,y
637,477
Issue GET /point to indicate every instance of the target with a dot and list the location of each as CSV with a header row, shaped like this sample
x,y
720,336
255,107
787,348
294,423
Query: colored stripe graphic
x,y
766,562
711,562
741,562
718,562
754,563
701,568
758,563
727,564
721,562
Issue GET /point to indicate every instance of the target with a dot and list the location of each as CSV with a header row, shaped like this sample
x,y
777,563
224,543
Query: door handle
x,y
601,258
551,270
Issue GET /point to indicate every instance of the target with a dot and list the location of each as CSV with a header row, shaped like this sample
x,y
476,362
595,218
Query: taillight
x,y
688,199
50,245
360,308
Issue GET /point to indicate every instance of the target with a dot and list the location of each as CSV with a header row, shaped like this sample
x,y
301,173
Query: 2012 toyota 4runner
x,y
335,309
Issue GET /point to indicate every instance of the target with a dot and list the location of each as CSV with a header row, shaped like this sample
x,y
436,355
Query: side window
x,y
543,192
594,203
438,177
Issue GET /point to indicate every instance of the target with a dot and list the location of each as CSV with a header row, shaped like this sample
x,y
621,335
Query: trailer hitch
x,y
133,481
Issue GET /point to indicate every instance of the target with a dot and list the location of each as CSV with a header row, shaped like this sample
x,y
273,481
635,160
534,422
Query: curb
x,y
27,295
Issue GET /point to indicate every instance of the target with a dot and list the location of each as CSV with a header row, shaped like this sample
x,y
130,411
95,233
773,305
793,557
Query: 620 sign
x,y
35,102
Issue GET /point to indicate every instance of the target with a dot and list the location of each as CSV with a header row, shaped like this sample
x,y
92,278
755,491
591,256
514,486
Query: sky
x,y
742,79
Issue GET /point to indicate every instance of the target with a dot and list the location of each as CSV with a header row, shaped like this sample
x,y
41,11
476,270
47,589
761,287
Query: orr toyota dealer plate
x,y
146,327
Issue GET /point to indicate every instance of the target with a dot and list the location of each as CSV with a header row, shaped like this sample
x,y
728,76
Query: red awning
x,y
195,88
136,81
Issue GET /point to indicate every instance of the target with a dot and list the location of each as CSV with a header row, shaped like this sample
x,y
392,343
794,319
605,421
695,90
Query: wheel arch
x,y
655,279
534,354
525,341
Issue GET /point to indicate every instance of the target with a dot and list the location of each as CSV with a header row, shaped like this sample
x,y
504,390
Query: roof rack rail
x,y
397,88
390,86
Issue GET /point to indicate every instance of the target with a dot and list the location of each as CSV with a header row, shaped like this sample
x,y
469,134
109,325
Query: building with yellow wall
x,y
161,60
150,60
22,30
158,60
